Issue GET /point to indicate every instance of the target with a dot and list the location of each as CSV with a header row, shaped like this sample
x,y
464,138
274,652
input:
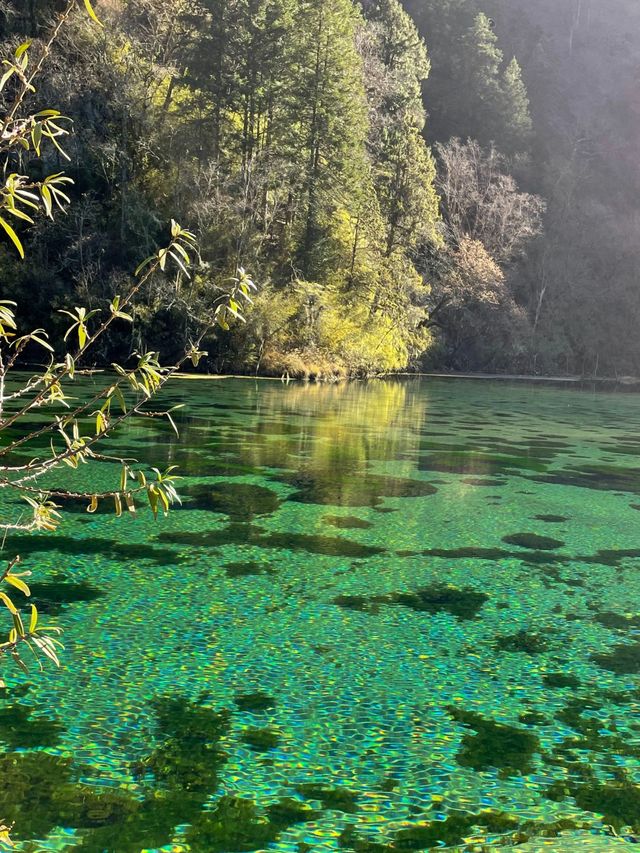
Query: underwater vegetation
x,y
495,744
529,642
239,501
623,659
617,621
51,596
76,547
19,729
243,534
470,686
248,568
560,680
347,522
533,541
618,800
334,798
438,598
237,824
608,478
188,755
327,545
455,829
254,703
349,488
261,740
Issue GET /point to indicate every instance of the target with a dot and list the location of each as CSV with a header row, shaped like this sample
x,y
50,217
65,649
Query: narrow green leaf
x,y
19,584
13,237
92,14
4,598
47,200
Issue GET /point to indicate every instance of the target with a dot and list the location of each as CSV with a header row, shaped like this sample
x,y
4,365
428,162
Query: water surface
x,y
387,616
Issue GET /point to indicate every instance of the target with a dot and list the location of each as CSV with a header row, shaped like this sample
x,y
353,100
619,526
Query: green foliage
x,y
472,93
289,133
515,109
76,423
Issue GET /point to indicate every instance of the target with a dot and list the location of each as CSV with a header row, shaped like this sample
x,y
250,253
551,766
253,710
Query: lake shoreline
x,y
630,382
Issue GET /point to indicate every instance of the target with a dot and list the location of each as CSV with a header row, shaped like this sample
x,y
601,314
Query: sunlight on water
x,y
390,616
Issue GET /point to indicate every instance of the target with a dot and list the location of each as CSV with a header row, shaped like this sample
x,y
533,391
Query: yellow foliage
x,y
324,333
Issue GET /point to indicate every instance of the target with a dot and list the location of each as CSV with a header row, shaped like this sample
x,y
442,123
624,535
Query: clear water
x,y
349,577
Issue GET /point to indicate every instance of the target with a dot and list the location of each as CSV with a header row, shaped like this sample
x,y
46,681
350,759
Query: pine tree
x,y
403,168
331,104
516,119
481,79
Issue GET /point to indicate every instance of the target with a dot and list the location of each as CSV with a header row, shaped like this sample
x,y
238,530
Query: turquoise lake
x,y
396,615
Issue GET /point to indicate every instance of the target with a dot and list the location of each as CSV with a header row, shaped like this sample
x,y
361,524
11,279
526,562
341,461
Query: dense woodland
x,y
447,184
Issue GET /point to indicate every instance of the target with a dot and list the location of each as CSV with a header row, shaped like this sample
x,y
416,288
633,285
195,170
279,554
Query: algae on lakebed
x,y
495,744
439,598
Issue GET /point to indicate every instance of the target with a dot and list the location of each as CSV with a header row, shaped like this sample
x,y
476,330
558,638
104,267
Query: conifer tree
x,y
517,122
331,103
481,81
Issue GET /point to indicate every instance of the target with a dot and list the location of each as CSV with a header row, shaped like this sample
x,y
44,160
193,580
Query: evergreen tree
x,y
481,80
331,103
516,119
403,168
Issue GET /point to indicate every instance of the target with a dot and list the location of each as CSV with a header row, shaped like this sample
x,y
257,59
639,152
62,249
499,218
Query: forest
x,y
422,186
